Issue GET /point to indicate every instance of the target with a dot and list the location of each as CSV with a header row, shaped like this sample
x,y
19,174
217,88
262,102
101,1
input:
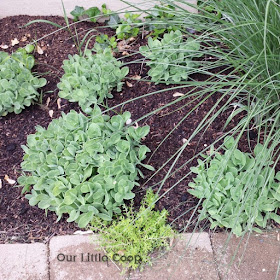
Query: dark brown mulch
x,y
20,222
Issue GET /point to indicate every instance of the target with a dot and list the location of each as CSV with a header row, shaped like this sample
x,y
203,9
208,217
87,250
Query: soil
x,y
20,222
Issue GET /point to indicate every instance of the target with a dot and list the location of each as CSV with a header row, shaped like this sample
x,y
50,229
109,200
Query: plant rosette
x,y
83,165
170,58
18,86
89,79
239,190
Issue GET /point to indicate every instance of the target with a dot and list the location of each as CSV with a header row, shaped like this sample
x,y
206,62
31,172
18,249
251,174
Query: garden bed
x,y
20,222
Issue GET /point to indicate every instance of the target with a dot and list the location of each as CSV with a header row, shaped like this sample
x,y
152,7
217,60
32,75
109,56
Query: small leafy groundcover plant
x,y
170,58
103,41
126,27
83,166
18,86
134,236
89,79
93,13
159,20
129,26
236,194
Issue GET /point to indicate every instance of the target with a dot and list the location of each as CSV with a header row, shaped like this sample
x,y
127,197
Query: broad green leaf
x,y
123,146
70,196
87,172
118,197
113,21
142,152
240,157
229,142
57,189
275,217
237,230
149,167
29,48
94,130
268,207
84,219
104,217
77,12
33,201
130,195
74,215
92,13
142,131
259,149
44,204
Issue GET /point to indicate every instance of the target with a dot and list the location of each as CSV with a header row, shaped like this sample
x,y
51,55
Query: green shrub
x,y
89,80
170,59
239,190
83,166
18,86
136,234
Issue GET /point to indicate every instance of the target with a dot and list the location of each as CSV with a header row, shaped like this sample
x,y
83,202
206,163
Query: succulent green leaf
x,y
85,219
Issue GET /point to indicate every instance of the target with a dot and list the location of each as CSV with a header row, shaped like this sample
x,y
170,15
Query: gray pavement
x,y
197,256
54,7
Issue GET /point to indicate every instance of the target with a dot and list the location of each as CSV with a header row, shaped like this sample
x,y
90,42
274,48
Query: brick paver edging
x,y
193,256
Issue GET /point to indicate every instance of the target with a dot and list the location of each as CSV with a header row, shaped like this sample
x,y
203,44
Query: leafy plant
x,y
105,11
103,42
18,86
170,59
159,20
127,27
77,12
113,20
89,80
83,166
92,12
136,235
229,199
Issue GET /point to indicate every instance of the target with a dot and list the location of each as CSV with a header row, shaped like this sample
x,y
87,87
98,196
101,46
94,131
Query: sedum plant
x,y
83,166
18,86
134,236
239,190
170,58
89,79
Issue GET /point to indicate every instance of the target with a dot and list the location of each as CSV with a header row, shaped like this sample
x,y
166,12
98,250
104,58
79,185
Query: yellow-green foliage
x,y
136,234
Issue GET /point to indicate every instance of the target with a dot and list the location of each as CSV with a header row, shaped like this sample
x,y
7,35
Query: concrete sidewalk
x,y
54,7
193,256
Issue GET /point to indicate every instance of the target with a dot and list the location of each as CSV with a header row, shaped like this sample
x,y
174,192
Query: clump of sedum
x,y
18,86
83,166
